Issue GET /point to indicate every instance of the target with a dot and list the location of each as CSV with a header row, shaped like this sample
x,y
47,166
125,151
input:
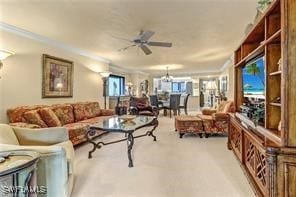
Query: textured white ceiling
x,y
204,33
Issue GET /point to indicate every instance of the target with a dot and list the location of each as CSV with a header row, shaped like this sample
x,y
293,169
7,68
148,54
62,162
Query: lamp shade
x,y
105,74
211,85
129,84
4,54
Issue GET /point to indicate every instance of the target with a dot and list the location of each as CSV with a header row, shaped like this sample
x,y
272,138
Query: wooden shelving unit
x,y
275,73
266,152
276,104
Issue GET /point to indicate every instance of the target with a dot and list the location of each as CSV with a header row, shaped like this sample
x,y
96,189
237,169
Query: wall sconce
x,y
3,55
105,76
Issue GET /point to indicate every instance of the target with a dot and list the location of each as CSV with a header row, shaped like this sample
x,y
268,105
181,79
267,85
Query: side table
x,y
18,174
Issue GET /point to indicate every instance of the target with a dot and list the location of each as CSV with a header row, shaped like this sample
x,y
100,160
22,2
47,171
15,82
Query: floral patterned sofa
x,y
217,120
76,117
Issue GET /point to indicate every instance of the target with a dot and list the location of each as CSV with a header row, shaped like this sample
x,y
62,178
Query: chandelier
x,y
167,77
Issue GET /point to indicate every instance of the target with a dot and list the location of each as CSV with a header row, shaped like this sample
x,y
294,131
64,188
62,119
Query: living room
x,y
147,98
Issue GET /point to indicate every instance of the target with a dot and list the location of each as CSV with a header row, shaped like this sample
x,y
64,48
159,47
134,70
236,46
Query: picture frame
x,y
144,86
57,77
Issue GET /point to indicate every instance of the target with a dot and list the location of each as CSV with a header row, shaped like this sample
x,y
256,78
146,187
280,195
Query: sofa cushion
x,y
77,132
107,112
229,107
7,135
33,117
205,117
86,110
95,119
64,113
25,125
95,106
225,106
207,111
49,117
16,114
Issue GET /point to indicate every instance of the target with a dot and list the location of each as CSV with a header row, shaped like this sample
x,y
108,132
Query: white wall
x,y
229,72
21,82
134,77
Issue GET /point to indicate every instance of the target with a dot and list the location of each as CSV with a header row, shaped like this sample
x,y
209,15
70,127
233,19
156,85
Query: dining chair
x,y
154,101
141,106
174,104
184,105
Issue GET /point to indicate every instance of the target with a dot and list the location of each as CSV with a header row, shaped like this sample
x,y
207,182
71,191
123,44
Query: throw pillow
x,y
49,117
142,106
33,117
64,113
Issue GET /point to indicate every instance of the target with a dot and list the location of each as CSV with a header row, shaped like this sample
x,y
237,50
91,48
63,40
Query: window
x,y
178,87
116,85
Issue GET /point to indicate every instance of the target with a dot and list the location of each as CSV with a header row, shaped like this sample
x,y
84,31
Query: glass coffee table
x,y
118,125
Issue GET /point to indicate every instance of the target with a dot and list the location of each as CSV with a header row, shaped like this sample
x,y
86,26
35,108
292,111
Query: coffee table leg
x,y
200,135
92,142
130,143
96,146
93,150
150,133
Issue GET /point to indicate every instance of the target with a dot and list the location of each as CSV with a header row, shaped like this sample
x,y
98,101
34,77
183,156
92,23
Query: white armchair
x,y
55,167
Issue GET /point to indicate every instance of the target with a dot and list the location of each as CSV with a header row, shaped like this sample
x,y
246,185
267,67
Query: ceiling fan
x,y
142,41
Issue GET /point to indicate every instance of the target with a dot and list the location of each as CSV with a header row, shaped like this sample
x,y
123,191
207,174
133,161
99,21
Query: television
x,y
254,90
254,79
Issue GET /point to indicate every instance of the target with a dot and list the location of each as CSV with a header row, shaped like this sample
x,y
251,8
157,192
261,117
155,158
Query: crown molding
x,y
39,38
228,63
126,70
184,74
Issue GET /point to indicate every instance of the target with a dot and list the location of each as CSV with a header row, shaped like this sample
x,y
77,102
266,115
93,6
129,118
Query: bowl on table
x,y
127,118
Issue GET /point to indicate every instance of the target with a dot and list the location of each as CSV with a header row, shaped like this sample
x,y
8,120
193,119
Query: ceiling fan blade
x,y
124,48
146,50
119,38
160,44
146,35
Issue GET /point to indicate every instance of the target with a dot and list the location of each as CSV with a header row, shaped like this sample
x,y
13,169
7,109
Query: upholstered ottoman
x,y
188,124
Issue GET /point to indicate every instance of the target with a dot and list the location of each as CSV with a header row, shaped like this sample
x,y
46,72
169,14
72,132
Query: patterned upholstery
x,y
76,117
107,112
33,117
86,110
16,114
64,113
77,132
217,121
24,125
142,106
188,124
49,117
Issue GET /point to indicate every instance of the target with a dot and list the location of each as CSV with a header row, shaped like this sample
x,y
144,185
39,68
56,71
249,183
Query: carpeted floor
x,y
170,167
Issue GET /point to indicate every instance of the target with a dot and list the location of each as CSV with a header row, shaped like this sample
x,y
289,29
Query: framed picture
x,y
144,86
57,77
